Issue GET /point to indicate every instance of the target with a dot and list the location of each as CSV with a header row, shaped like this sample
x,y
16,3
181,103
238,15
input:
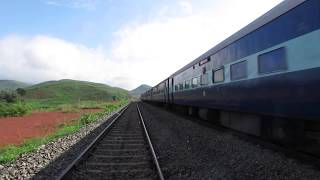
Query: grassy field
x,y
36,105
63,95
21,108
11,152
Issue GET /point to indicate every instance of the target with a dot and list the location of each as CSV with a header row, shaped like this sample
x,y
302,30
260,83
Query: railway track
x,y
123,150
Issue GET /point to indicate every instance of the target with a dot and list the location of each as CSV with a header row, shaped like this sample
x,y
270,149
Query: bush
x,y
9,97
111,107
90,117
9,109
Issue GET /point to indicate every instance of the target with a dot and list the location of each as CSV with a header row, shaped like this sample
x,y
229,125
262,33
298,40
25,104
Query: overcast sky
x,y
122,43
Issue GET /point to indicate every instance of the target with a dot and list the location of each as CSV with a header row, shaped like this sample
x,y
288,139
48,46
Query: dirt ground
x,y
14,130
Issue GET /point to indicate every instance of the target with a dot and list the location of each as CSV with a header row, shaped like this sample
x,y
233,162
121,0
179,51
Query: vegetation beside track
x,y
11,152
67,96
62,95
12,105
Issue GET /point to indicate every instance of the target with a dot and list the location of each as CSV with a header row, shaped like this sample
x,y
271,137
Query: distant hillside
x,y
12,85
71,90
139,90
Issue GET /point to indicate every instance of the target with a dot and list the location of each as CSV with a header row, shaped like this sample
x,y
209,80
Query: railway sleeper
x,y
119,174
131,159
123,166
121,153
122,141
123,146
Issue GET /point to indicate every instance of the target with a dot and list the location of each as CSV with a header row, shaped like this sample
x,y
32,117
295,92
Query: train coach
x,y
263,80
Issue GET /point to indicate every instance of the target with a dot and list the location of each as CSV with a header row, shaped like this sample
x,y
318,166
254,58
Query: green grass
x,y
66,107
13,109
9,153
64,130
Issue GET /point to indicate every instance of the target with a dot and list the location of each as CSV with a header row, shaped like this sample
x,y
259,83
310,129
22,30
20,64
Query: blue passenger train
x,y
270,68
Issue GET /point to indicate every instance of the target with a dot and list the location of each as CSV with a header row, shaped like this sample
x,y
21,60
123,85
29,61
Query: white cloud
x,y
44,58
142,52
186,7
78,4
162,46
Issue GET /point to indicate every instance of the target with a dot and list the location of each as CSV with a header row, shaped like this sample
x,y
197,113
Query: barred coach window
x,y
187,84
176,88
194,82
218,75
204,79
272,61
239,70
181,86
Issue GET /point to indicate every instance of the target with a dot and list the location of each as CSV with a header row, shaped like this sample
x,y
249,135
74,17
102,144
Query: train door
x,y
165,91
170,90
167,100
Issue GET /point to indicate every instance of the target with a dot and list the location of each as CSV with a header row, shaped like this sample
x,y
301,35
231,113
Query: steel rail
x,y
154,157
89,147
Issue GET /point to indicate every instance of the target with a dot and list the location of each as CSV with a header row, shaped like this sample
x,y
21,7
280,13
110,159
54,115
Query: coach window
x,y
204,79
187,84
176,87
218,75
239,70
181,86
194,82
272,61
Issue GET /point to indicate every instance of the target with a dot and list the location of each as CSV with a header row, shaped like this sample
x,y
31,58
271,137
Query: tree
x,y
21,91
9,97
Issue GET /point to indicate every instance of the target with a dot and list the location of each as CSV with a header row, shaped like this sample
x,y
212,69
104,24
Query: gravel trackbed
x,y
189,150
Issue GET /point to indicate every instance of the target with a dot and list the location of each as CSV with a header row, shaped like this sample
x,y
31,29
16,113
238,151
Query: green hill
x,y
72,91
9,85
139,90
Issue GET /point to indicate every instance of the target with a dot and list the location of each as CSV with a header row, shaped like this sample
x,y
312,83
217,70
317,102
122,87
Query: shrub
x,y
111,107
9,109
90,117
9,97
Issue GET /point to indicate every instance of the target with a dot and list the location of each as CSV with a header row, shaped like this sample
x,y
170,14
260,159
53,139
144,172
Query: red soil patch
x,y
14,130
